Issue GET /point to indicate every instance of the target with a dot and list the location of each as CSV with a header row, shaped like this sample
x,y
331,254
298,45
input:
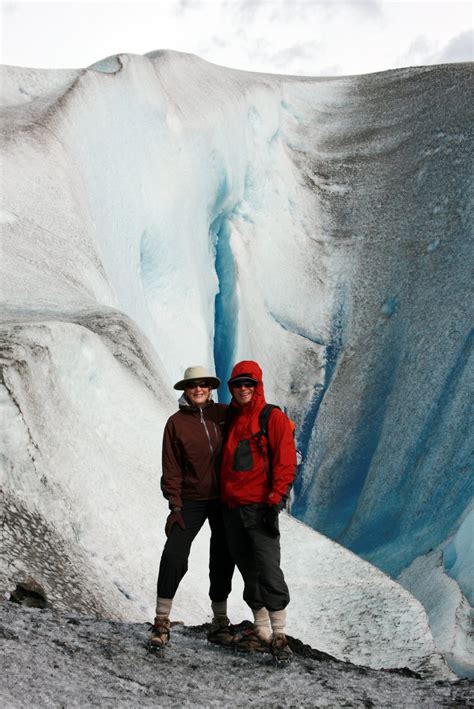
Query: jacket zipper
x,y
214,472
203,421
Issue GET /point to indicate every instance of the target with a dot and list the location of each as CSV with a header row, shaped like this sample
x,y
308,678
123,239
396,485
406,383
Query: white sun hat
x,y
197,373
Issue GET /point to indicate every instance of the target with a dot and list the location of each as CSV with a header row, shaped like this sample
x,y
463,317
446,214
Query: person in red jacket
x,y
191,447
256,477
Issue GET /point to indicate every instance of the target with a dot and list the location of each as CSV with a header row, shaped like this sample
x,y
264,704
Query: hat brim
x,y
214,382
242,378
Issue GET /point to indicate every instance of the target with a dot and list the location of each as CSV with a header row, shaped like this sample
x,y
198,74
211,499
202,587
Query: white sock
x,y
262,623
278,621
163,606
219,608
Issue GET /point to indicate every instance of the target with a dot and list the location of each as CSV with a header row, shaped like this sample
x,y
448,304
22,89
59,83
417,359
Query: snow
x,y
160,211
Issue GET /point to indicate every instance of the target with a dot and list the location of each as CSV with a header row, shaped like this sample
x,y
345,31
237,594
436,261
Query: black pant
x,y
174,560
256,551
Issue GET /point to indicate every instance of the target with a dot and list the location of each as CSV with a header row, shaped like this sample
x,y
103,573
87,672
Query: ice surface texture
x,y
52,660
159,211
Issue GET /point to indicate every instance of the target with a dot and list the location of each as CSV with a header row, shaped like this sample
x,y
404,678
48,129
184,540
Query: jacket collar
x,y
183,403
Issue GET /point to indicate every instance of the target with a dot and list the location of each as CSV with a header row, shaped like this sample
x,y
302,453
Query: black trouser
x,y
174,560
256,551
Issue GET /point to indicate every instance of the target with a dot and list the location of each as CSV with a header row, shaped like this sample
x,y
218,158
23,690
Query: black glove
x,y
277,501
174,517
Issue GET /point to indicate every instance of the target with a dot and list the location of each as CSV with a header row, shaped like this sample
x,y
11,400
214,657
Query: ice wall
x,y
392,440
320,226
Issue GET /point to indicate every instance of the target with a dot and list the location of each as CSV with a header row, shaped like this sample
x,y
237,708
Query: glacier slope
x,y
320,223
84,515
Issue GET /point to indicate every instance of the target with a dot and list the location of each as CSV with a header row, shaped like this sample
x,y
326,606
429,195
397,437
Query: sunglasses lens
x,y
195,385
247,383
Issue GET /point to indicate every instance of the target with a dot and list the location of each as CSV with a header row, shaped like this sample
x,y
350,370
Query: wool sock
x,y
278,621
262,623
163,606
219,608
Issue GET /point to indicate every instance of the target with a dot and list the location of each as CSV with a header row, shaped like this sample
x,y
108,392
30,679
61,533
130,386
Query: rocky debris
x,y
69,660
303,650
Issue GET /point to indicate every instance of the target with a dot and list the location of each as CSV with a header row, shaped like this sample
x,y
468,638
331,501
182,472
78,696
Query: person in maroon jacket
x,y
257,472
191,447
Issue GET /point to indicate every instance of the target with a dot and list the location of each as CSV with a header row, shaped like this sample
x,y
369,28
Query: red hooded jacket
x,y
248,483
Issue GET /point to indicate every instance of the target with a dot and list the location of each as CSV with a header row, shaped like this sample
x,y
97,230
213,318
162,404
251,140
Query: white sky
x,y
312,37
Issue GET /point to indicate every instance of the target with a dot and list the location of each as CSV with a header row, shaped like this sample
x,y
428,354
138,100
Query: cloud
x,y
323,10
423,51
245,11
183,6
331,70
219,42
273,12
297,52
370,8
309,37
458,49
301,58
419,53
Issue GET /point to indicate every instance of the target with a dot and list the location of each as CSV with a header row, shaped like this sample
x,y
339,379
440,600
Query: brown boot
x,y
281,651
160,633
221,632
249,641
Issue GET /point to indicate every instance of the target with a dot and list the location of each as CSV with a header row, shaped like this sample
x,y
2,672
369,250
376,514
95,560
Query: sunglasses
x,y
196,385
247,383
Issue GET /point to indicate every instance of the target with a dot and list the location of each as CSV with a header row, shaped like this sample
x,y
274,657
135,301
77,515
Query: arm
x,y
282,445
172,475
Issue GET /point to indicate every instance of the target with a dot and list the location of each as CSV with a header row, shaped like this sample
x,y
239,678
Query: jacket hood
x,y
253,370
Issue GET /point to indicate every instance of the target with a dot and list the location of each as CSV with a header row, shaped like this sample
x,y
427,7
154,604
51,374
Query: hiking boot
x,y
160,633
221,631
280,649
249,641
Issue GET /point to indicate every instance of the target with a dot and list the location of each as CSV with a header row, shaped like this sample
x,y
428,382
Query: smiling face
x,y
243,392
197,393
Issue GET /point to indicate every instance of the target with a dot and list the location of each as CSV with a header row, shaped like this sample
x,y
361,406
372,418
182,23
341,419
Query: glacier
x,y
160,211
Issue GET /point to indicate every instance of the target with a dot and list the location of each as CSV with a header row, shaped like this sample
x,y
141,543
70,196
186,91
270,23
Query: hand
x,y
174,517
277,501
270,520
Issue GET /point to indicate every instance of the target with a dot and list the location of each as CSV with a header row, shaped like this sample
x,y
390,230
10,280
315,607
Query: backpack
x,y
243,455
263,420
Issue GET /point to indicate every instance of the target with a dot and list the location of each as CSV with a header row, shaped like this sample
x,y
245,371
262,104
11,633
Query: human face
x,y
197,393
243,393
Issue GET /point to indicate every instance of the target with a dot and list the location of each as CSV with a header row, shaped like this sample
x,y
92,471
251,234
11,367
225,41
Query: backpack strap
x,y
266,451
264,417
